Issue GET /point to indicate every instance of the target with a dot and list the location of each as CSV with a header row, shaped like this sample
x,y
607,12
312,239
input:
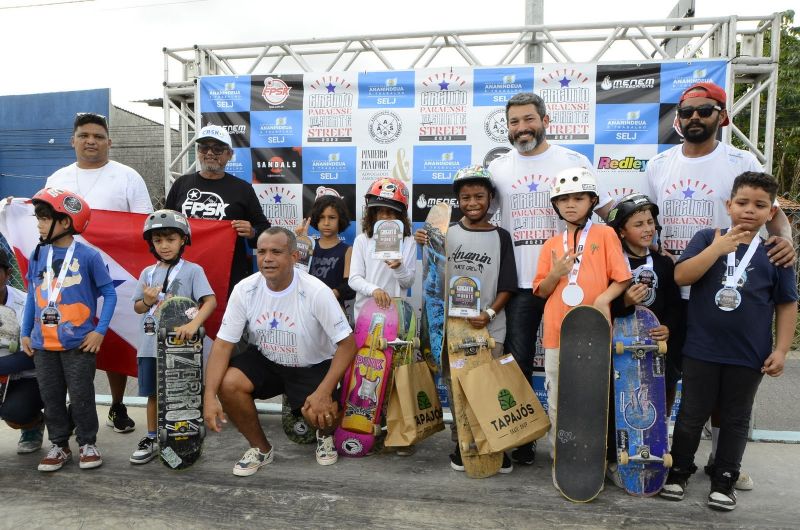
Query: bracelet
x,y
491,312
146,305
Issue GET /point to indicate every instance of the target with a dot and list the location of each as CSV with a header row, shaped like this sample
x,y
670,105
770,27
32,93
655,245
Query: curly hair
x,y
333,202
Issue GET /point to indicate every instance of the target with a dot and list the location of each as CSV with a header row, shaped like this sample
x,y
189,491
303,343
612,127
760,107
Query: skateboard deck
x,y
434,290
468,348
364,384
295,426
582,405
179,372
9,343
640,404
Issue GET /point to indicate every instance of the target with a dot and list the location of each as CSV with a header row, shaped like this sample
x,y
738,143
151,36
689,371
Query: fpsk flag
x,y
118,238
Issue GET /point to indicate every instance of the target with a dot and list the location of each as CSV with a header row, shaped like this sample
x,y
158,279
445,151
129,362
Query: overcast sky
x,y
118,43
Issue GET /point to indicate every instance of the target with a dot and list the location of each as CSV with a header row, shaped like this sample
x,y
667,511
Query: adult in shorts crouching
x,y
300,344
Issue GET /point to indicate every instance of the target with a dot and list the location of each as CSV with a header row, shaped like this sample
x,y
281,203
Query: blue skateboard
x,y
640,404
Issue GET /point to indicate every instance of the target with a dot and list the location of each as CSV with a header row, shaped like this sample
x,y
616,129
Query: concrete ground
x,y
386,491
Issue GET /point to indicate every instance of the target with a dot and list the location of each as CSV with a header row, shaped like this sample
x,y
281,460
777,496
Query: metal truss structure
x,y
740,39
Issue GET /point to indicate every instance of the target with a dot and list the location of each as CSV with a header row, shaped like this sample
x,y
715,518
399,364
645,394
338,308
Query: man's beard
x,y
527,147
697,136
212,167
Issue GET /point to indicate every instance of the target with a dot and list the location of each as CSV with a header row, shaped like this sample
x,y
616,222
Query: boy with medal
x,y
736,292
582,266
167,233
65,278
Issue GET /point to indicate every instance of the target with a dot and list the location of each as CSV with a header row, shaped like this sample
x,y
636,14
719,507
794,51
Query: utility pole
x,y
534,15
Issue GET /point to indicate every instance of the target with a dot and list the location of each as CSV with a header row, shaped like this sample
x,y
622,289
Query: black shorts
x,y
23,403
271,379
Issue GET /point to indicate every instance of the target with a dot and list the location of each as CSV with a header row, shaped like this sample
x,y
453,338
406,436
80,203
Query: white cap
x,y
215,132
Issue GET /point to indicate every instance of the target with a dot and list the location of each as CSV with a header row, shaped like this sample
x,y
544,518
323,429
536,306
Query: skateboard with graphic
x,y
434,291
581,426
365,381
468,348
640,404
9,343
179,374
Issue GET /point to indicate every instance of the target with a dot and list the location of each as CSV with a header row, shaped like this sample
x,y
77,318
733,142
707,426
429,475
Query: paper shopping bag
x,y
414,410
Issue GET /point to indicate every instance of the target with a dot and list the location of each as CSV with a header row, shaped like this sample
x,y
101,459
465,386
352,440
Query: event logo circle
x,y
495,126
385,127
494,153
300,428
275,91
72,205
352,446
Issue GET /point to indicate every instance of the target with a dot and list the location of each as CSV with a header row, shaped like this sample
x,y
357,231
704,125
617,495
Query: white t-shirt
x,y
16,301
115,187
299,326
368,274
523,184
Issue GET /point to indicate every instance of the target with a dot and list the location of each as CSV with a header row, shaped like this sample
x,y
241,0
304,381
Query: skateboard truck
x,y
471,347
638,349
643,456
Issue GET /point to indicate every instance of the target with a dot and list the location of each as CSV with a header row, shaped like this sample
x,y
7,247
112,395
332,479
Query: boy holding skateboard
x,y
64,279
477,248
167,233
582,266
736,291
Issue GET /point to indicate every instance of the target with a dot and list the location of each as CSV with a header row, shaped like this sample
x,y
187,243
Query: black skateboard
x,y
179,369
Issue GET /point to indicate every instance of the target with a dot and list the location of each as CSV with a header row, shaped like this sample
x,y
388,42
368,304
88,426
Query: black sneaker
x,y
675,488
524,454
455,460
119,420
723,493
507,466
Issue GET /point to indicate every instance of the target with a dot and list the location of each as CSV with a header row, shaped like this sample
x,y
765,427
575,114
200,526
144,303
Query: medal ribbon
x,y
734,274
172,272
54,290
572,278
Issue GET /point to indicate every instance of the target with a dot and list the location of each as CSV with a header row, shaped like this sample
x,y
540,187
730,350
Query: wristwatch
x,y
491,312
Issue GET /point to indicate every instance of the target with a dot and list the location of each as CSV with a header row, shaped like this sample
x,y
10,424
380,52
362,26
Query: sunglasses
x,y
216,149
704,111
82,118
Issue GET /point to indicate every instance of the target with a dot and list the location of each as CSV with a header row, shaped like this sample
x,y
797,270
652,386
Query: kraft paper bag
x,y
414,411
505,406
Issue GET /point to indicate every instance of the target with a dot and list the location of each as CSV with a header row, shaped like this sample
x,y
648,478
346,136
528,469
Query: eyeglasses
x,y
704,111
216,149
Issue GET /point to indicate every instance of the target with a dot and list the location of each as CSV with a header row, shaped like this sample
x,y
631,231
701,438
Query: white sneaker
x,y
145,452
89,457
251,461
326,452
744,482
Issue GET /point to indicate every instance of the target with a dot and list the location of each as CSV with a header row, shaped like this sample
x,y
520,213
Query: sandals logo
x,y
506,399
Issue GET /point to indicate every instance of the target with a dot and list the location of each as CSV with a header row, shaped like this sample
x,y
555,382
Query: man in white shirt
x,y
300,344
105,185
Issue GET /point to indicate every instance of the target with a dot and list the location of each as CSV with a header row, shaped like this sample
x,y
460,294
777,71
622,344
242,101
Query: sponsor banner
x,y
677,76
444,104
438,164
495,127
329,165
426,196
241,165
236,123
328,106
276,128
622,167
627,123
282,204
276,92
495,86
381,90
630,83
569,95
278,165
225,94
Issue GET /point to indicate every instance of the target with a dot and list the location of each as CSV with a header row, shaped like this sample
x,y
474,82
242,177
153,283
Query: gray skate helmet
x,y
167,219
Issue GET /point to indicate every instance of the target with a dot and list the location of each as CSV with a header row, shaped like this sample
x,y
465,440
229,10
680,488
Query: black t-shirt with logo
x,y
227,198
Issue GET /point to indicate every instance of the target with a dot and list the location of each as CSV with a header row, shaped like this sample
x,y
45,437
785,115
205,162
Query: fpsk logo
x,y
275,91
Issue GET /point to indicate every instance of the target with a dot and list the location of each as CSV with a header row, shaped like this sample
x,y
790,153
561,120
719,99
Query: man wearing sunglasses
x,y
211,193
690,183
105,185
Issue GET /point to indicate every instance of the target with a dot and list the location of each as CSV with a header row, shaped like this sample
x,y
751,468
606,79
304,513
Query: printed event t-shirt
x,y
299,326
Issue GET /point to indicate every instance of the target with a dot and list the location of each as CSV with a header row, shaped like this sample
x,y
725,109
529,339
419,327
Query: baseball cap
x,y
707,90
215,132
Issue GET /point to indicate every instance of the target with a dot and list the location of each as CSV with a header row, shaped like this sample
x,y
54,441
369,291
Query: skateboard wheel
x,y
202,431
491,343
662,346
667,460
162,436
622,457
162,334
619,347
382,343
201,332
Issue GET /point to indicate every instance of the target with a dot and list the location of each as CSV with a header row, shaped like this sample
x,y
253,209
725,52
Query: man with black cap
x,y
690,183
211,193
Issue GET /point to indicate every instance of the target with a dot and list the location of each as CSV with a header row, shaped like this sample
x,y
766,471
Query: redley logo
x,y
275,91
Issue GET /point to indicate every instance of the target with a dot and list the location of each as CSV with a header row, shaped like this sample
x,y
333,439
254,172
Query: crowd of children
x,y
727,344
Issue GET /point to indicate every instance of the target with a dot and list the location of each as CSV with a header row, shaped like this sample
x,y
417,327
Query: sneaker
x,y
507,466
524,454
326,451
251,461
406,451
743,483
612,474
55,459
118,419
89,457
455,460
145,452
675,488
723,493
31,440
